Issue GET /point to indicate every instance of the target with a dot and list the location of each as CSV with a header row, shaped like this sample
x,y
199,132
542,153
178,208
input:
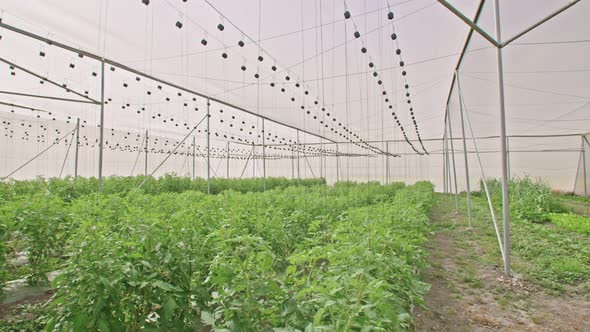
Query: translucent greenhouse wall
x,y
582,186
546,108
545,71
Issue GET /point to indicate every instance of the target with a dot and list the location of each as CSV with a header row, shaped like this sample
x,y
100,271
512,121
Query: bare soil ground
x,y
15,310
469,292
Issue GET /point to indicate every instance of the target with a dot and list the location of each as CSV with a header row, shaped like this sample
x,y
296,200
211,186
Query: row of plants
x,y
324,258
69,188
36,216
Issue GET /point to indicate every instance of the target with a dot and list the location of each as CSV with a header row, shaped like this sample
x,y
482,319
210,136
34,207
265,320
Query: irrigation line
x,y
37,155
172,152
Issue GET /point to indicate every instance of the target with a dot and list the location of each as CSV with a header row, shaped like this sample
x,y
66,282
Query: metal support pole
x,y
485,186
170,153
508,155
263,157
298,150
76,148
449,176
444,158
321,161
37,155
584,167
470,23
254,151
247,160
453,160
77,50
48,97
386,162
146,154
464,149
337,164
292,163
208,150
227,168
505,202
253,160
194,157
63,165
101,129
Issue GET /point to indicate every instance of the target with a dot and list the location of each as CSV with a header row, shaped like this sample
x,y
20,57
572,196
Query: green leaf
x,y
165,286
103,326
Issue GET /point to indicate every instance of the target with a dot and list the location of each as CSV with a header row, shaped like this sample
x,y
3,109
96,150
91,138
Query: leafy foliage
x,y
69,188
573,222
168,257
529,200
556,257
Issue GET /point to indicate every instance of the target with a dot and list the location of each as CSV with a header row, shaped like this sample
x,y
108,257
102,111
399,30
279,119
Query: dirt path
x,y
469,293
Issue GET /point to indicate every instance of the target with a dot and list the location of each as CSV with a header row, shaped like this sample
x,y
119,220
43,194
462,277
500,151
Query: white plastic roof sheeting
x,y
546,83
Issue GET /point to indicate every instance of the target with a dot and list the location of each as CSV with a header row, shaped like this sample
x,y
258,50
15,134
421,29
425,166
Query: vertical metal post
x,y
292,163
263,157
503,142
253,160
298,150
584,167
508,155
321,159
194,155
444,158
227,166
76,148
464,149
386,162
337,164
146,154
449,177
453,160
101,130
208,150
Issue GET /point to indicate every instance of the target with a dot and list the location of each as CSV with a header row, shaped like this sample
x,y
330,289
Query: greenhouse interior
x,y
295,165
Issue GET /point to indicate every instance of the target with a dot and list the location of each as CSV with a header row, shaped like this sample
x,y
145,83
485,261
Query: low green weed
x,y
573,222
